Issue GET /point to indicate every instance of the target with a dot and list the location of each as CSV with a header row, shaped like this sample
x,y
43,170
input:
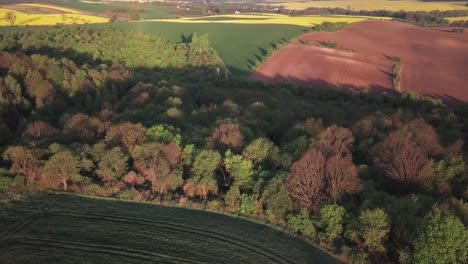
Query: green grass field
x,y
238,45
62,228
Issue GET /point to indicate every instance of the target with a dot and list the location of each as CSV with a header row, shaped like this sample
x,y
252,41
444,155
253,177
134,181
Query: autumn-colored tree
x,y
228,134
44,93
127,135
306,181
325,172
61,169
203,179
342,177
84,127
400,158
23,161
259,150
424,135
38,130
335,141
159,164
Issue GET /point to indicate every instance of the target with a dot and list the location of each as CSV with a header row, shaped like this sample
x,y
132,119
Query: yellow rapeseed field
x,y
58,8
305,21
23,19
451,19
393,5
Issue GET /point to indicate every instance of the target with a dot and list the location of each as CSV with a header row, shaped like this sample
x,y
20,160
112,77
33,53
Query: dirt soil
x,y
435,61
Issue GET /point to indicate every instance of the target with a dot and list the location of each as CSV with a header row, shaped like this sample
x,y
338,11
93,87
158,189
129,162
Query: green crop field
x,y
238,45
150,11
73,229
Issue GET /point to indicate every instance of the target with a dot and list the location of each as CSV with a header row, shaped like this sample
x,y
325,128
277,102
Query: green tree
x,y
113,165
240,169
233,200
163,134
331,218
301,223
62,168
249,204
258,150
450,168
440,239
277,201
203,178
371,229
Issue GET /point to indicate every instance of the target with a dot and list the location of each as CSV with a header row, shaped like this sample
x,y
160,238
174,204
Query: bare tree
x,y
342,177
336,141
399,157
306,181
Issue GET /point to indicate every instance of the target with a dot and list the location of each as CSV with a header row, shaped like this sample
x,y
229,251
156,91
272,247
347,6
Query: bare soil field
x,y
32,9
435,61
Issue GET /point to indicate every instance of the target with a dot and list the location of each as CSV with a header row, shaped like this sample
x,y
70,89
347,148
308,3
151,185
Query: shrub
x,y
301,223
331,219
249,204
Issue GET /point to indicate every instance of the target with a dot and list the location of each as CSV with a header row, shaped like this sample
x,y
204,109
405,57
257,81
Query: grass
x,y
240,46
73,229
23,19
305,21
407,5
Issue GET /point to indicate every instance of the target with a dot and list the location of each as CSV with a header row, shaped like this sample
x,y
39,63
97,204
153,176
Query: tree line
x,y
371,178
421,18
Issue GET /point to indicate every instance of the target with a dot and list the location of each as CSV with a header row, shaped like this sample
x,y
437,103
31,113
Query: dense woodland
x,y
370,178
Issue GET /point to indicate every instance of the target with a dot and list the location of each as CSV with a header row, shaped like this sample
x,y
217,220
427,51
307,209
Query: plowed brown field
x,y
435,61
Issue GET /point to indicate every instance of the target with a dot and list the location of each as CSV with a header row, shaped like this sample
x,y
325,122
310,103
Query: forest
x,y
370,178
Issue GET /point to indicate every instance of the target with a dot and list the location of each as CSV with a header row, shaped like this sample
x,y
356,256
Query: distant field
x,y
47,228
407,5
24,19
361,59
150,11
66,10
239,45
305,21
451,19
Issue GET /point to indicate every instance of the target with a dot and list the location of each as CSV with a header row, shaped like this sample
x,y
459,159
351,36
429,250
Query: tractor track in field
x,y
35,214
276,258
98,248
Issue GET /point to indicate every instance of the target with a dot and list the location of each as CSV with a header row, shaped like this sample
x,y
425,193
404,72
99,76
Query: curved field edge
x,y
240,46
52,221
